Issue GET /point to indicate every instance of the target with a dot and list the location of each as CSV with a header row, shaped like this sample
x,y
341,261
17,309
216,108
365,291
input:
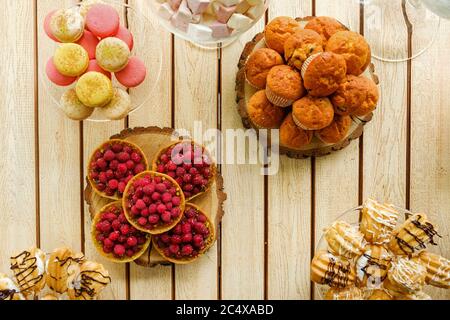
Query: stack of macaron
x,y
92,45
211,20
309,81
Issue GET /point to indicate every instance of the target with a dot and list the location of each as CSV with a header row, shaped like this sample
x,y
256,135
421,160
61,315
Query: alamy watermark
x,y
236,146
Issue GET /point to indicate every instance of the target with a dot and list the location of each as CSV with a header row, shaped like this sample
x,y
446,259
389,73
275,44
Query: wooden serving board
x,y
151,140
316,148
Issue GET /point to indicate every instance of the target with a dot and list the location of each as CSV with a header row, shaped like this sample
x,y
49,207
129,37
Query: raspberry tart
x,y
113,165
115,238
189,164
189,239
153,202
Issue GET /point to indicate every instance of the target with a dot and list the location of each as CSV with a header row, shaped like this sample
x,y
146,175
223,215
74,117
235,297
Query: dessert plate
x,y
316,148
353,217
151,140
139,24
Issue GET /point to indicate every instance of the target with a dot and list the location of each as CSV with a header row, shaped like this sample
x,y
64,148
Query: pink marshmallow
x,y
220,30
224,13
174,4
198,6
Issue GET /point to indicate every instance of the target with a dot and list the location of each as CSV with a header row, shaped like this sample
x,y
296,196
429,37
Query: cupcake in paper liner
x,y
312,113
284,86
258,65
262,113
300,46
336,131
292,136
322,73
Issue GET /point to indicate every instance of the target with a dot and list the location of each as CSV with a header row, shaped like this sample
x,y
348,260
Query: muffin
x,y
292,136
325,26
323,72
353,47
355,96
263,113
300,46
336,131
284,86
278,31
311,113
259,64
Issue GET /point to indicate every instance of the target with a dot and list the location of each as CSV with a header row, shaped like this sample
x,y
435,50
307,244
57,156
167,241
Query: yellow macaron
x,y
94,89
72,106
71,59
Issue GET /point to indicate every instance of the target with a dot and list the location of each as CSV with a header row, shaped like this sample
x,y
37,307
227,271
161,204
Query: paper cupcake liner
x,y
251,84
307,63
299,124
277,100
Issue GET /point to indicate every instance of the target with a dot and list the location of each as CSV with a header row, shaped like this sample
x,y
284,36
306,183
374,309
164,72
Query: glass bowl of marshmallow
x,y
209,24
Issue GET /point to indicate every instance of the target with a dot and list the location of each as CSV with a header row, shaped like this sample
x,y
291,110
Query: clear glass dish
x,y
353,216
139,24
211,44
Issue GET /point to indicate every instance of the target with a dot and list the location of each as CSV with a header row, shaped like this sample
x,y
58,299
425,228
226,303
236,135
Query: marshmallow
x,y
255,2
220,30
243,7
229,3
256,11
196,18
182,17
198,6
200,32
174,4
239,21
179,23
165,11
224,13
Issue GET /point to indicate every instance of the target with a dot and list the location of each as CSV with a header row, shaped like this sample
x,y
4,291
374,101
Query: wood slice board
x,y
244,91
151,140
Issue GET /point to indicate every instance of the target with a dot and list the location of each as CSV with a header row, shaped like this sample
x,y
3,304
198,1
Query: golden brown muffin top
x,y
292,136
323,73
259,64
286,82
263,113
325,26
355,96
302,44
278,30
313,113
354,48
336,131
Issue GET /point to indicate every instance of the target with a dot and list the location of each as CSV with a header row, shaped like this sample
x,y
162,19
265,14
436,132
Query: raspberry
x,y
166,217
140,204
117,147
166,197
136,157
123,157
119,250
161,208
113,184
187,250
122,168
109,155
125,229
142,221
139,168
132,241
108,243
148,189
152,208
176,201
186,228
153,219
176,239
114,236
161,187
187,238
174,248
130,253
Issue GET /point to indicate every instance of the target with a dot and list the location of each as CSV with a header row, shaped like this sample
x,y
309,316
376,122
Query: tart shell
x,y
127,212
99,248
99,148
213,166
209,244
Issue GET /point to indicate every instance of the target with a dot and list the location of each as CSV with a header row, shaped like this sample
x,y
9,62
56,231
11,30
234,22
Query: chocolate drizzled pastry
x,y
8,289
88,282
61,263
413,235
330,270
29,270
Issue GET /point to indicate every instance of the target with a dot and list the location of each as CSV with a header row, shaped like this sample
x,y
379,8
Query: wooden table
x,y
272,224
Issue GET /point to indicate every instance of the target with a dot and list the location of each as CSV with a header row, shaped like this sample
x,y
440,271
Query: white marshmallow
x,y
256,12
196,18
165,11
239,21
229,3
199,32
184,13
198,6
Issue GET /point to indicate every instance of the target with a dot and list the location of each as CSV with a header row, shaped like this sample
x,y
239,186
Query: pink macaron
x,y
126,36
103,20
56,77
133,74
93,66
89,42
47,28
